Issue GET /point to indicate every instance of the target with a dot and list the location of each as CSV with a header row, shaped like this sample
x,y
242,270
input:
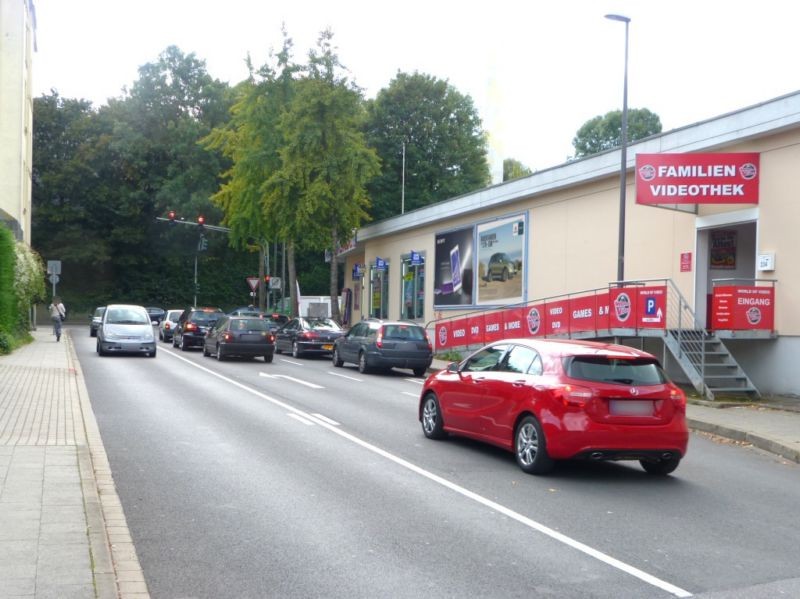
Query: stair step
x,y
707,353
733,389
726,376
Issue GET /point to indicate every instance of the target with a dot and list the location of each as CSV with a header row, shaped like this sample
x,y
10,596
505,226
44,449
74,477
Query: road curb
x,y
764,443
116,569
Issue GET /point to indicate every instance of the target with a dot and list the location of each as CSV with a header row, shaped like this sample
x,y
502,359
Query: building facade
x,y
550,239
17,43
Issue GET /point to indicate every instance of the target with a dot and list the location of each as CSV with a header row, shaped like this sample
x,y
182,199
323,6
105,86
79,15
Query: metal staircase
x,y
711,368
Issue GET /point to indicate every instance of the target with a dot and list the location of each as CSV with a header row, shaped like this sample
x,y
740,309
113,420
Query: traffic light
x,y
201,221
266,279
171,216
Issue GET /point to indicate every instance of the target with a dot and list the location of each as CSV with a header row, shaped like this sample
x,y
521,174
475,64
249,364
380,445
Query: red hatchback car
x,y
549,400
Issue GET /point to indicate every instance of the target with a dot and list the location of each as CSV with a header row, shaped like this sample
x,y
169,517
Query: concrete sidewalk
x,y
63,532
62,529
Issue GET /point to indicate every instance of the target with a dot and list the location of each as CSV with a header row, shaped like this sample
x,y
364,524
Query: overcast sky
x,y
535,70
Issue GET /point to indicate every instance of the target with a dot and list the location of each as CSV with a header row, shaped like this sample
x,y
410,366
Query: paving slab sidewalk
x,y
62,530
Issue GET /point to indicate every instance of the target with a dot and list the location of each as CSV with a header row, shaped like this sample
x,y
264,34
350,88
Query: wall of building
x,y
16,115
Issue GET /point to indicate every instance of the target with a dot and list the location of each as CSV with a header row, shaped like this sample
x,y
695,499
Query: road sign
x,y
54,267
253,282
54,278
275,283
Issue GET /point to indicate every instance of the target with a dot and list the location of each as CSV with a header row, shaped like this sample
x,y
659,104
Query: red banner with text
x,y
743,308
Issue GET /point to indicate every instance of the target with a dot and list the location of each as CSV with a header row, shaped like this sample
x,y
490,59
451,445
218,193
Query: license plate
x,y
327,347
630,407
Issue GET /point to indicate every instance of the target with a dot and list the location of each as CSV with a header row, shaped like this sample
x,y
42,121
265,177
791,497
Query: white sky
x,y
535,70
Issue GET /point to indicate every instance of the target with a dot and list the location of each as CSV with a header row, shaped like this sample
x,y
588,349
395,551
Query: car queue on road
x,y
543,400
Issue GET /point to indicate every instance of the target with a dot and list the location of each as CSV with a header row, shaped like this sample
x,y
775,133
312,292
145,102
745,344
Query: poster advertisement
x,y
723,250
501,247
453,272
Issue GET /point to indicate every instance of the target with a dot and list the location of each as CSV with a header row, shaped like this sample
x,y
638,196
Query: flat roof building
x,y
711,253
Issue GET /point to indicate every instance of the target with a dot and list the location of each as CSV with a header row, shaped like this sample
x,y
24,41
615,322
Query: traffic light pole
x,y
194,303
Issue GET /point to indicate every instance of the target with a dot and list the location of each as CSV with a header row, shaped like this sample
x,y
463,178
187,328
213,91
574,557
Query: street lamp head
x,y
621,18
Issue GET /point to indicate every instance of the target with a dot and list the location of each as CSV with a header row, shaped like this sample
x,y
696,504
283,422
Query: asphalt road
x,y
297,479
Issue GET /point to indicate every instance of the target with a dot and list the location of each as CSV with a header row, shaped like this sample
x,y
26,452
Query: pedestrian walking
x,y
57,314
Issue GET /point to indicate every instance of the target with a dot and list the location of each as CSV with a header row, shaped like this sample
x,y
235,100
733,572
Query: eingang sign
x,y
697,178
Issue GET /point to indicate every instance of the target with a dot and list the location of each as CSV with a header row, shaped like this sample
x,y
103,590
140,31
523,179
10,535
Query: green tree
x,y
445,146
252,140
319,192
514,169
603,133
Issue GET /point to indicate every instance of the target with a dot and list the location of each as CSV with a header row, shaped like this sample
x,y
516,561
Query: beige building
x,y
550,239
17,43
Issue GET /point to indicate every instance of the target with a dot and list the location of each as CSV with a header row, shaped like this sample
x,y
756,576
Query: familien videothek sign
x,y
697,178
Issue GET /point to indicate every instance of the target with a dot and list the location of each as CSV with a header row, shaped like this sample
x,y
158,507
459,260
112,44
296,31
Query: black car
x,y
274,320
385,344
307,336
95,320
241,336
193,325
156,314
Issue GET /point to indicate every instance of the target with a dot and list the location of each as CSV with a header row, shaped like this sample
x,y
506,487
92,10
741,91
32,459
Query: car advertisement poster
x,y
501,247
452,277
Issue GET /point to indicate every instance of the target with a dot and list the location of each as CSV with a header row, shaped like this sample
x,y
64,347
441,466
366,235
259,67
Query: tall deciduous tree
x,y
319,193
605,132
514,169
445,146
252,141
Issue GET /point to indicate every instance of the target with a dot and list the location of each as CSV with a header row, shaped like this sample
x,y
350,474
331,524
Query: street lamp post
x,y
624,155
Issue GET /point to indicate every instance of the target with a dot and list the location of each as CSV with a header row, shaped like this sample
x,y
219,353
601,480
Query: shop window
x,y
379,292
413,288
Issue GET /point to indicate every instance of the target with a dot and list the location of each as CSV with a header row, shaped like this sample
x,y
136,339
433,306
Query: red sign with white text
x,y
743,308
557,318
582,314
475,330
514,322
697,178
492,327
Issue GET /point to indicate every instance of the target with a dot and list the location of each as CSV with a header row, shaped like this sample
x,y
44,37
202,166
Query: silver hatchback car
x,y
126,329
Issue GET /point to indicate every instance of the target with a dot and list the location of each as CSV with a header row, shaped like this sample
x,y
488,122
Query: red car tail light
x,y
574,396
307,335
379,339
227,336
190,326
428,341
166,326
678,397
270,338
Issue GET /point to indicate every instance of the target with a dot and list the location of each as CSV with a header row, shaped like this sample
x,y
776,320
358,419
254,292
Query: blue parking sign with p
x,y
650,306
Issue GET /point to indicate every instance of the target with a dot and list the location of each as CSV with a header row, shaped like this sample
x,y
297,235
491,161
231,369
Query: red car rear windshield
x,y
640,371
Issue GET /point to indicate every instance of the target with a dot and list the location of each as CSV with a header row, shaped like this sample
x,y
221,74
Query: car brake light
x,y
574,396
428,341
166,326
227,337
190,326
307,335
379,339
270,338
678,397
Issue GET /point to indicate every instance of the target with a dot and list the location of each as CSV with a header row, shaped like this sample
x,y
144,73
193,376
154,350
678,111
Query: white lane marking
x,y
545,530
417,381
305,421
290,378
326,419
415,395
344,376
290,362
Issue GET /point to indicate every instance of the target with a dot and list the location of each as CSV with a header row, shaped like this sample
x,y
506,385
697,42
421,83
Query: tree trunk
x,y
294,300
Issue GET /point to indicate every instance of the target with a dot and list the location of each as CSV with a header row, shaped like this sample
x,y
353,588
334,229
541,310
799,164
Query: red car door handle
x,y
518,383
